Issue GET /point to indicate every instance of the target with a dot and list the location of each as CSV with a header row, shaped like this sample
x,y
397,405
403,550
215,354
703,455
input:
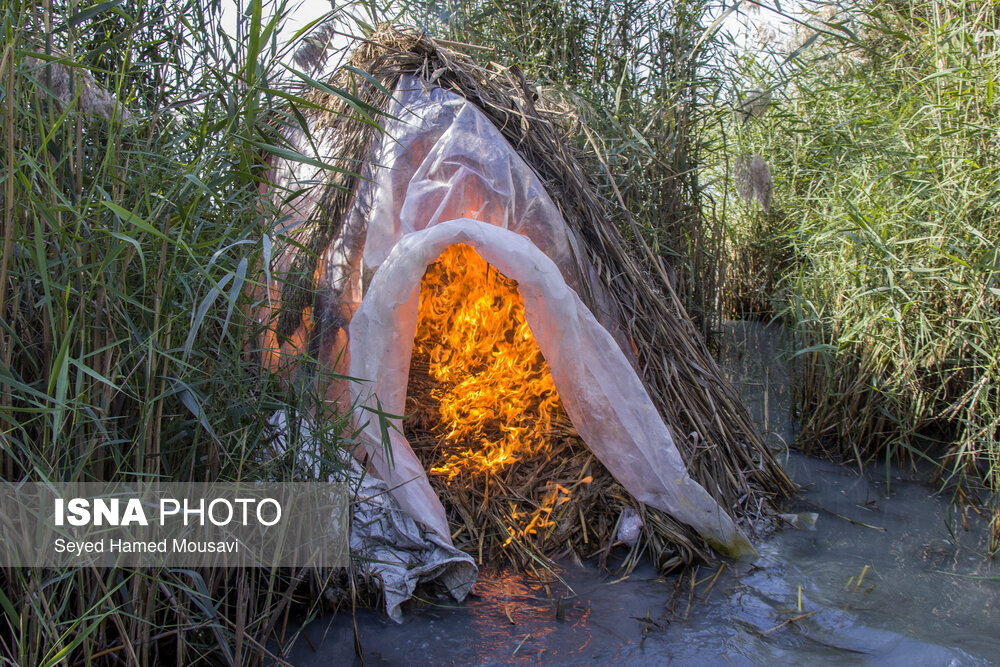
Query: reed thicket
x,y
134,135
133,139
880,251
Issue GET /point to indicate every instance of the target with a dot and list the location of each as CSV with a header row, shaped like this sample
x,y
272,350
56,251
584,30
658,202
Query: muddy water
x,y
887,574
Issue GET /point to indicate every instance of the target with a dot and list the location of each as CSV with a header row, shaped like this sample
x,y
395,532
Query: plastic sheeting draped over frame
x,y
600,391
441,159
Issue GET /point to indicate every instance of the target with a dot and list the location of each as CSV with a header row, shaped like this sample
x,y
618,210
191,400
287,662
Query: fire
x,y
494,393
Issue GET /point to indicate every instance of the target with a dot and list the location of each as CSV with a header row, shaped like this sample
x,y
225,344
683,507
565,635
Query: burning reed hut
x,y
556,399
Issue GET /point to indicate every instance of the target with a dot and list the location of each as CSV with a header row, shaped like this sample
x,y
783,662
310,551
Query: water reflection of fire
x,y
493,398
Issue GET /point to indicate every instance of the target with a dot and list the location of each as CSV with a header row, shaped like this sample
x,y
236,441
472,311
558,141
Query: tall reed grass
x,y
134,138
883,235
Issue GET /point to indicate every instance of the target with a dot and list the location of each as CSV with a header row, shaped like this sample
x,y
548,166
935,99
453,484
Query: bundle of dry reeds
x,y
560,502
713,431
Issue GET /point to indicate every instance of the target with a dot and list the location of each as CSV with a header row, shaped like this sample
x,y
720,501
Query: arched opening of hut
x,y
484,415
479,385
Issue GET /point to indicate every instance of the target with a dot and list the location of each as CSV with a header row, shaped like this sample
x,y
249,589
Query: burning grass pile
x,y
548,495
558,503
486,421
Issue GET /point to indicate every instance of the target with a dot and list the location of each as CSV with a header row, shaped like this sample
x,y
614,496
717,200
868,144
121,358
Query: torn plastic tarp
x,y
386,543
603,396
439,158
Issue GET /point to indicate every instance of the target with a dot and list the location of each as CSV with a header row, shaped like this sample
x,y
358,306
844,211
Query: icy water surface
x,y
886,575
911,607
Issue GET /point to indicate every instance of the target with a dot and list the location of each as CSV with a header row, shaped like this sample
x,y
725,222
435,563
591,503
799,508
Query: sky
x,y
300,13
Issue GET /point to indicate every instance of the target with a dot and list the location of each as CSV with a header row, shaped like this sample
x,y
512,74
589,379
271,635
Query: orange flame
x,y
495,393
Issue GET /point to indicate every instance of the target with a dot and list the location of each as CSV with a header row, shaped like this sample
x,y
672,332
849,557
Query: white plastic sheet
x,y
442,159
600,391
386,543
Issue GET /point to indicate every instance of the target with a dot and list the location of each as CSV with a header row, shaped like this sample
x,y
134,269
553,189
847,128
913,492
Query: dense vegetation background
x,y
134,134
880,250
